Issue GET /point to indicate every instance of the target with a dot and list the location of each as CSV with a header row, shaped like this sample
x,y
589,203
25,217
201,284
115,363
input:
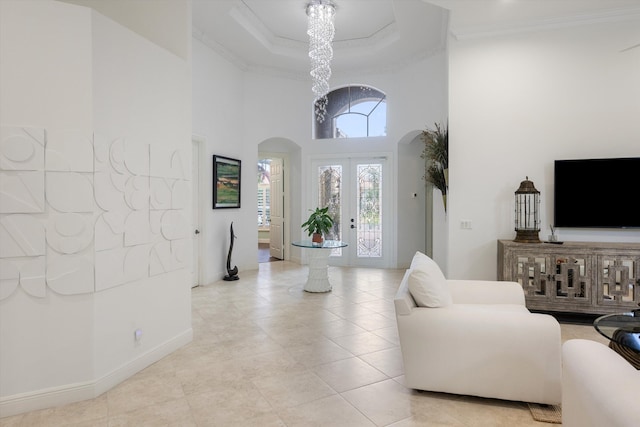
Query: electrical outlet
x,y
465,224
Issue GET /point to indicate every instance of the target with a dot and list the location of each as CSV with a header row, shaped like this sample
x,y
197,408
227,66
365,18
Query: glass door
x,y
355,191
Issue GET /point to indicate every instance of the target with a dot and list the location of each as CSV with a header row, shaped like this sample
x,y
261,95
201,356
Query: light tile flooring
x,y
266,353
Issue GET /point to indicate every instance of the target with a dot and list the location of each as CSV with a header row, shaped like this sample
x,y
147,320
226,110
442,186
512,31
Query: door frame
x,y
202,195
388,201
286,229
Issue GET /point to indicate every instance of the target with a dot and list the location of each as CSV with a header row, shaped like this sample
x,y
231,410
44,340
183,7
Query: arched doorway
x,y
278,198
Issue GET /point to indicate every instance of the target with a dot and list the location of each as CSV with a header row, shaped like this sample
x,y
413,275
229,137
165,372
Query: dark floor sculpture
x,y
232,273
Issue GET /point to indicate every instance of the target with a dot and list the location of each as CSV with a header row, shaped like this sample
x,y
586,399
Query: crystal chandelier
x,y
321,32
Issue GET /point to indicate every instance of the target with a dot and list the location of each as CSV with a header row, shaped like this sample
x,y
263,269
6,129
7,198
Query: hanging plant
x,y
436,152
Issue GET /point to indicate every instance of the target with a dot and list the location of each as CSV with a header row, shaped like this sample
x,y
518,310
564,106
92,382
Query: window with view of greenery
x,y
355,111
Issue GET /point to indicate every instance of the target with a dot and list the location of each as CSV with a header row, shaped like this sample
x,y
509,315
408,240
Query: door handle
x,y
353,226
197,231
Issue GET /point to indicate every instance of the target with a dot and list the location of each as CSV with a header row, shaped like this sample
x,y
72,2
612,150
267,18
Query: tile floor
x,y
266,353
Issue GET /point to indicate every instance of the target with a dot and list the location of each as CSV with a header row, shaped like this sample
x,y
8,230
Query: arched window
x,y
355,111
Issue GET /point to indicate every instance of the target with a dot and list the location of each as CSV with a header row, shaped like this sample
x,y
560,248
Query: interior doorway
x,y
291,155
271,213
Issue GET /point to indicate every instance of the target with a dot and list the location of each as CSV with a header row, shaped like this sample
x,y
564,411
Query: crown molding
x,y
200,35
247,19
618,15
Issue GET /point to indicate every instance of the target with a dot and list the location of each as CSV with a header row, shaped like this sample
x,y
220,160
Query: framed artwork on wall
x,y
226,182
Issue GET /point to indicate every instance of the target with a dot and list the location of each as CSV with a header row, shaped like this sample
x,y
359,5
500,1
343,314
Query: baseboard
x,y
136,365
45,398
70,393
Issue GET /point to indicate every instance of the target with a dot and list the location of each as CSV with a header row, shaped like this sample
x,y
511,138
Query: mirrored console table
x,y
576,277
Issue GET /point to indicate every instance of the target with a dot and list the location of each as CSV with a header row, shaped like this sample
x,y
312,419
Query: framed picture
x,y
226,182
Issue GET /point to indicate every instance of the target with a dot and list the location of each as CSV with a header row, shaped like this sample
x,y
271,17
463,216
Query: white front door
x,y
357,194
276,227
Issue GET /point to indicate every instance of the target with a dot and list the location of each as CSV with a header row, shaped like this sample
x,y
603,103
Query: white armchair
x,y
480,341
600,387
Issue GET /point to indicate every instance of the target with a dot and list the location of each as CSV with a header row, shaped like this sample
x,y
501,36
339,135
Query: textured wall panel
x,y
109,191
22,148
169,256
21,235
81,213
70,233
32,276
21,192
136,158
9,278
70,274
137,229
137,192
69,150
168,163
174,225
161,193
109,231
70,192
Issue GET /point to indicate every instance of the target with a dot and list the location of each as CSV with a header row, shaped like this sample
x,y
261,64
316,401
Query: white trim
x,y
618,15
70,393
202,223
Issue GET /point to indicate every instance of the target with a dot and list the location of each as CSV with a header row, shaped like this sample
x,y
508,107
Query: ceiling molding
x,y
392,67
618,15
200,35
248,20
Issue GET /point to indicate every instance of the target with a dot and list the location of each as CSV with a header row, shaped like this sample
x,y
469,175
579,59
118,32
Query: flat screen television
x,y
597,193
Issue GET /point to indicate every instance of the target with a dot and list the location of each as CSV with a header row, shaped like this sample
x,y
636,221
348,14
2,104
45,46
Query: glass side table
x,y
623,331
318,255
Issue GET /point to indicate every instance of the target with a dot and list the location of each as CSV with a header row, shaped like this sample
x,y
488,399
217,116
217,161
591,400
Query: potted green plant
x,y
436,152
318,224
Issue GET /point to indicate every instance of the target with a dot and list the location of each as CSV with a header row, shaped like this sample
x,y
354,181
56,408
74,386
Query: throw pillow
x,y
422,261
427,284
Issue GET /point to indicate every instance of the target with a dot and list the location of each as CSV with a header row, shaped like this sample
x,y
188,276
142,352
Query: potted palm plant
x,y
318,224
436,152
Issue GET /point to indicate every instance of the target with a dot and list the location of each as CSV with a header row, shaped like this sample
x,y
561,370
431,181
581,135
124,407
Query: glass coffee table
x,y
318,256
623,331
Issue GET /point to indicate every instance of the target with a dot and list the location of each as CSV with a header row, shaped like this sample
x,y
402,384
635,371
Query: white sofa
x,y
600,387
478,338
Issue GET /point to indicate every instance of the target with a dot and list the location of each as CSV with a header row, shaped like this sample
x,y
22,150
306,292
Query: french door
x,y
356,192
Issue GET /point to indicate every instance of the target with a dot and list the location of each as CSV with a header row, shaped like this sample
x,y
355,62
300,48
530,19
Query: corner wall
x,y
94,189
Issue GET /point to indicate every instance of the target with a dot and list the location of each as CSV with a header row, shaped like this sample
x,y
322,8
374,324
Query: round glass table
x,y
623,331
318,256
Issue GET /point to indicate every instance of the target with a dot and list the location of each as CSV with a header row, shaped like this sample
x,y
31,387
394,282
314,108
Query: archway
x,y
289,153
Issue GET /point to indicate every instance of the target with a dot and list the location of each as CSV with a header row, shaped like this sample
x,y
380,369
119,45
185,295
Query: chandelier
x,y
321,32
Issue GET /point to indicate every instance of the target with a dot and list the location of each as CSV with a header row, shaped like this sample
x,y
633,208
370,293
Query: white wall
x,y
46,340
141,93
102,249
167,23
517,103
219,118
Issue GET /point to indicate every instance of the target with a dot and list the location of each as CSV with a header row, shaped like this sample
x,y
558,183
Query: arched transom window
x,y
354,111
